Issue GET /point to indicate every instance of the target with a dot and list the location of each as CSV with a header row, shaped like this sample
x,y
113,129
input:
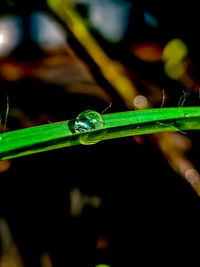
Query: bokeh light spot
x,y
174,71
175,51
150,20
140,102
150,52
10,34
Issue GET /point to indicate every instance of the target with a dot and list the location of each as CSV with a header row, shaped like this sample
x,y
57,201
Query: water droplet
x,y
186,115
88,121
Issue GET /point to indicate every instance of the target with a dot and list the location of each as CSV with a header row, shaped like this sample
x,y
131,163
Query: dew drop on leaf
x,y
88,121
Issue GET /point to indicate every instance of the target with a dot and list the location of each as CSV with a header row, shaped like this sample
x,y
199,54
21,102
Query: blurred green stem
x,y
62,134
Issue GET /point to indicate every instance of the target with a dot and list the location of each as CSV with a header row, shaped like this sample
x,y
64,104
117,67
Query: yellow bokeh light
x,y
175,71
175,51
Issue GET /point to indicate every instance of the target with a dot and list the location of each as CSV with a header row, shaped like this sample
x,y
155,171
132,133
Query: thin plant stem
x,y
62,134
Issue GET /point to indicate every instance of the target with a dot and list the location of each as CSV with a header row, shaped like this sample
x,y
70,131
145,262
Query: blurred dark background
x,y
118,202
